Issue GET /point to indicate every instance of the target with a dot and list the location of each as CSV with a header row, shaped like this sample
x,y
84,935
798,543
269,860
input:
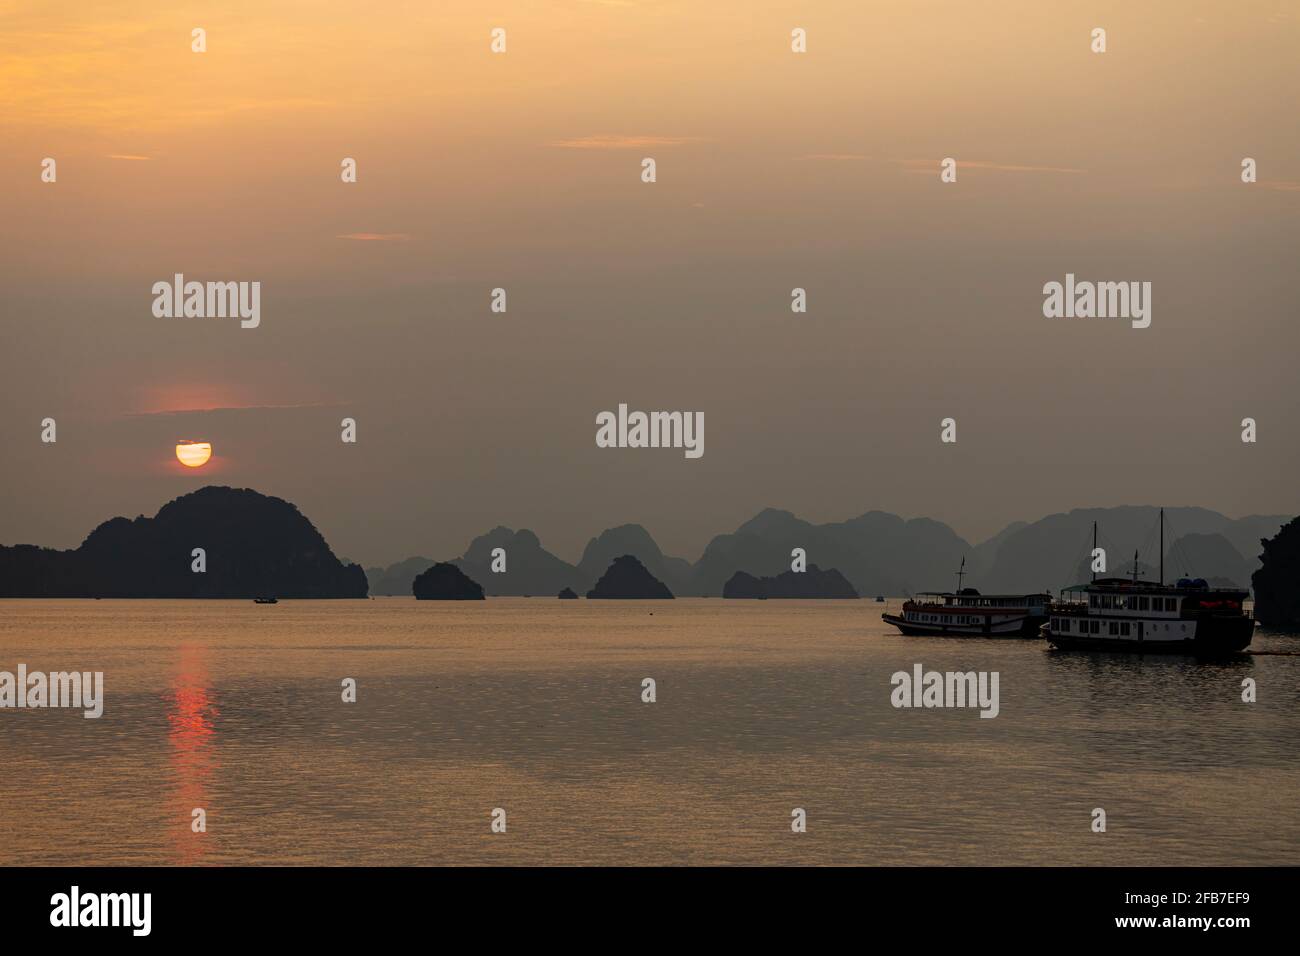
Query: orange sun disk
x,y
192,454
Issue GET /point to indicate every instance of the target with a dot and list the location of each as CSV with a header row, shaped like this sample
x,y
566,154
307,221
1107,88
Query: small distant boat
x,y
880,599
266,600
967,613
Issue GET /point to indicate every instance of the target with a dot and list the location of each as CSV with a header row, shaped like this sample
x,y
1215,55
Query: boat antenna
x,y
1135,567
1162,547
961,572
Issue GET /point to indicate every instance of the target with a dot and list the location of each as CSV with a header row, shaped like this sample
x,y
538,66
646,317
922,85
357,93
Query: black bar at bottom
x,y
336,905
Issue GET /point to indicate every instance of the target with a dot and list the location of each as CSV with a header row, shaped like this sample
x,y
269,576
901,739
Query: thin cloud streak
x,y
930,165
376,236
163,412
837,157
616,141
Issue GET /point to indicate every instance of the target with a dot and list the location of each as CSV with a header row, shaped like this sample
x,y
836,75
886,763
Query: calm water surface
x,y
535,706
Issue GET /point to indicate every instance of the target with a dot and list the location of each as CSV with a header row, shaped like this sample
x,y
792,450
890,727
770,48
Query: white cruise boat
x,y
1151,617
967,613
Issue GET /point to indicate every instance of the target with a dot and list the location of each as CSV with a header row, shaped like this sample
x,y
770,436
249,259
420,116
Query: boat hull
x,y
1211,637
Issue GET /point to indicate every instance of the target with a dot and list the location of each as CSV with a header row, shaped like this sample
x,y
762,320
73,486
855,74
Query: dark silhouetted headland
x,y
253,546
1277,582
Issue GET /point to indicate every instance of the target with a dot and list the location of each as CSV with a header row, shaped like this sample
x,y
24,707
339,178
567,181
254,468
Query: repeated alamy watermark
x,y
1102,300
922,688
208,300
38,690
626,429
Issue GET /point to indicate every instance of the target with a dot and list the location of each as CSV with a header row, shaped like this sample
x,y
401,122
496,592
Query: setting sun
x,y
192,454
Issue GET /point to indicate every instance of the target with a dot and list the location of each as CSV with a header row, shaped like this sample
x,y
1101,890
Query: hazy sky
x,y
522,170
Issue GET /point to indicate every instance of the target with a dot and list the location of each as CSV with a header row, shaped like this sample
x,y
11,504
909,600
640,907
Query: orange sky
x,y
521,170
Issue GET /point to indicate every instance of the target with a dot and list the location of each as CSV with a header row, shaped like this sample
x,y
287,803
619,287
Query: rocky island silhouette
x,y
253,546
446,582
812,583
627,579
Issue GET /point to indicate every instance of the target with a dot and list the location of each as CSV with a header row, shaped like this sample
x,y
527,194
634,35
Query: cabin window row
x,y
947,618
1132,602
1064,625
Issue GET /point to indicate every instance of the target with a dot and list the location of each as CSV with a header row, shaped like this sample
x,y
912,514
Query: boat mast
x,y
1093,562
961,572
1162,547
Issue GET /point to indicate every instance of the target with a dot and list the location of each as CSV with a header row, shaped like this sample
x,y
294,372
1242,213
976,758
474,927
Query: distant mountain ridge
x,y
882,553
258,545
635,540
396,579
1051,552
529,568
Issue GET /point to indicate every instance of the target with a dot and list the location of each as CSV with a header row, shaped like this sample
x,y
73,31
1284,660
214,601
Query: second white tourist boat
x,y
967,613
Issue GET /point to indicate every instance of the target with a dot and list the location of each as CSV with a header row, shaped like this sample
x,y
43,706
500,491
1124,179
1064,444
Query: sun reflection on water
x,y
193,758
